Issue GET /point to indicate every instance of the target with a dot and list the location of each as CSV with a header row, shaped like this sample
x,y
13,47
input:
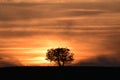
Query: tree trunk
x,y
63,63
59,63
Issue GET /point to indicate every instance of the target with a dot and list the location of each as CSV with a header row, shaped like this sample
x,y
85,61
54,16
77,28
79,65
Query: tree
x,y
60,56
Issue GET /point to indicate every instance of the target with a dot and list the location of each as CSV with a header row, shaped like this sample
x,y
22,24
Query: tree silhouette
x,y
60,55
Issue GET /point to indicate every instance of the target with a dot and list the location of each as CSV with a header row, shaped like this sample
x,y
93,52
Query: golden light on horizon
x,y
42,52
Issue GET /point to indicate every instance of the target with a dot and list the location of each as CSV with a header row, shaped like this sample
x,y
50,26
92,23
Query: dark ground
x,y
59,73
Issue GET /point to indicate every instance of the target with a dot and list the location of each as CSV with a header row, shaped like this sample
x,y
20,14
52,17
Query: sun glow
x,y
40,52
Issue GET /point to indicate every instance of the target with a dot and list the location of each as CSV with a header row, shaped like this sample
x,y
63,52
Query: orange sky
x,y
27,32
54,1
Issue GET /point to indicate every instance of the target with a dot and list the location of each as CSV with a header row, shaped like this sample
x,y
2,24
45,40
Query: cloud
x,y
57,1
8,61
48,11
101,39
101,60
107,54
4,63
27,12
17,34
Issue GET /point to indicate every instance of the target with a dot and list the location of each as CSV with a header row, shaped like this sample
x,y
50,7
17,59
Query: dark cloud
x,y
60,33
57,1
17,12
37,15
109,55
8,61
16,34
8,64
101,60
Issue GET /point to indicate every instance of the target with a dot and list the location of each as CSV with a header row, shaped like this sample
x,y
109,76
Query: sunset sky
x,y
54,1
90,31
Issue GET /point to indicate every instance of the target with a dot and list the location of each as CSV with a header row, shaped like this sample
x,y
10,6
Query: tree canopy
x,y
60,55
